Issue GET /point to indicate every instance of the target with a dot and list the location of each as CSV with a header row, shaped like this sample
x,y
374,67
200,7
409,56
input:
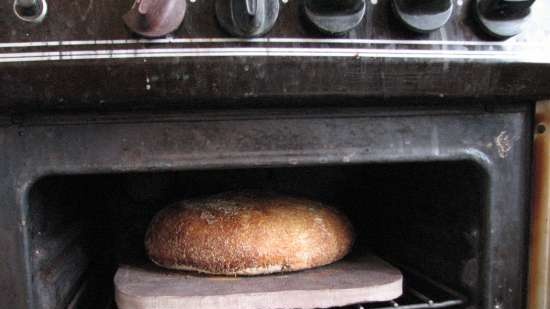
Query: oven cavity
x,y
423,218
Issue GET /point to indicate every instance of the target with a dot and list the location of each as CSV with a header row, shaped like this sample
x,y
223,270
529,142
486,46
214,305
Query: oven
x,y
423,140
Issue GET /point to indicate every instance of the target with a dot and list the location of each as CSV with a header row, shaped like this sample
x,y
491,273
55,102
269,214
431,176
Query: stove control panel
x,y
456,20
105,54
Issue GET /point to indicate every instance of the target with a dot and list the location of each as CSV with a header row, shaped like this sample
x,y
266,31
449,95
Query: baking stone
x,y
350,281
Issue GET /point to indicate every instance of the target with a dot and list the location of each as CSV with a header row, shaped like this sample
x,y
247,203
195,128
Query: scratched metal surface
x,y
83,57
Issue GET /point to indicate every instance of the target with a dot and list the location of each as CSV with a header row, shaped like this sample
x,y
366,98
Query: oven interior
x,y
423,217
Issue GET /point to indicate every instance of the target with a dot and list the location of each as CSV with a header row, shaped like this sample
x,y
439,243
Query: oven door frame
x,y
498,141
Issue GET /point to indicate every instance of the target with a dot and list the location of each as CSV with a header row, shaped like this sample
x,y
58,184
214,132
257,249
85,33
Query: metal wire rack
x,y
419,292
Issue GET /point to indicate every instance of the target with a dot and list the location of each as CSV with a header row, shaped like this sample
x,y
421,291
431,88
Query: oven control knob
x,y
247,18
502,18
155,18
335,16
423,16
33,11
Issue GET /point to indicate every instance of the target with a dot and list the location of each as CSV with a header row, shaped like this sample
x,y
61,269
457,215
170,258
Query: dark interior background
x,y
422,216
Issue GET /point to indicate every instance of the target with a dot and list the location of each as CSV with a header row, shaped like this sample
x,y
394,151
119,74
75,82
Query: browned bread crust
x,y
247,234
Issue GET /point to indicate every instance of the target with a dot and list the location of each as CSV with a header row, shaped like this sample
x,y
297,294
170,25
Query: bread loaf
x,y
246,233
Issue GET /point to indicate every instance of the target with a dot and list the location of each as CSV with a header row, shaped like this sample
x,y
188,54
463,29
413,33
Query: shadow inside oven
x,y
422,217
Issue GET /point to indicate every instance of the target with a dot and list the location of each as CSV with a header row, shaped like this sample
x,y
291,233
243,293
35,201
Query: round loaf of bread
x,y
246,233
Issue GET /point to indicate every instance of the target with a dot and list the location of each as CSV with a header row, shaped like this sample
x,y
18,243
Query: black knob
x,y
425,15
247,18
335,16
30,10
502,18
155,18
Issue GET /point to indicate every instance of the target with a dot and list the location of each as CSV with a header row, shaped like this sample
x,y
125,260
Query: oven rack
x,y
419,292
436,296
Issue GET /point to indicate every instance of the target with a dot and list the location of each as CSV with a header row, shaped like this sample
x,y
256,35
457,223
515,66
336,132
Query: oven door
x,y
446,180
